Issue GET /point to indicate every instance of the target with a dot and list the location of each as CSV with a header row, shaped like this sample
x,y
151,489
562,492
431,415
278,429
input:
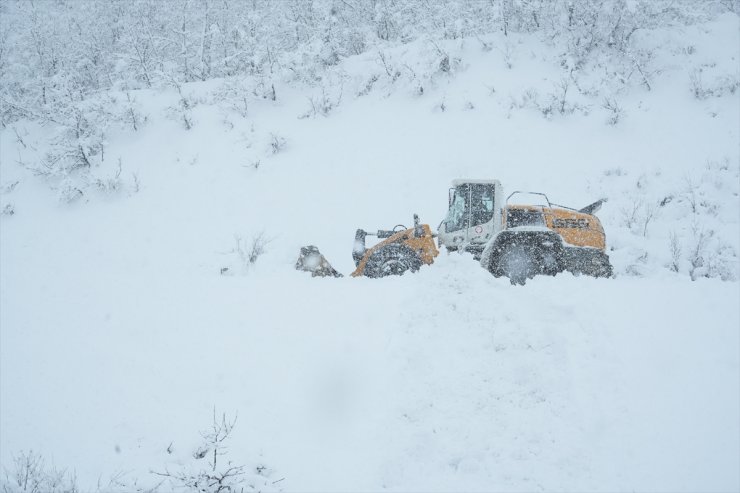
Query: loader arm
x,y
418,241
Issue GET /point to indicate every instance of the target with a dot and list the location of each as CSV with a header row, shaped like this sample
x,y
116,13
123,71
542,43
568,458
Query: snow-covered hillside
x,y
144,297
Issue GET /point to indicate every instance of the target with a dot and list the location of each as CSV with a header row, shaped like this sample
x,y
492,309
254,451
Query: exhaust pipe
x,y
358,250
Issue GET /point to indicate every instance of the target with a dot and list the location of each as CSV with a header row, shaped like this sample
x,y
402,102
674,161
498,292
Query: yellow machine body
x,y
577,229
423,246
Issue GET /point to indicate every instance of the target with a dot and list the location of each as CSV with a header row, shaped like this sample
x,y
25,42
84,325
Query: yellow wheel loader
x,y
402,249
520,239
511,238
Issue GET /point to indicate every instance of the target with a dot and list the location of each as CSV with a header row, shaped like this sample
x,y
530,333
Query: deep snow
x,y
119,336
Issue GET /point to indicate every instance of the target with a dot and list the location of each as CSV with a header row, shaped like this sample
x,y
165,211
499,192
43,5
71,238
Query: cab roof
x,y
464,181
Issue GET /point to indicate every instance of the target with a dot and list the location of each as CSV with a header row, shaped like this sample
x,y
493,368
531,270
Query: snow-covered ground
x,y
120,331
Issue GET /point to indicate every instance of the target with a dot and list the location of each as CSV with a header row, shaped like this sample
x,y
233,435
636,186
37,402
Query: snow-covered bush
x,y
722,84
7,208
676,251
277,143
235,94
211,469
507,51
680,224
30,473
110,184
79,143
182,111
326,99
218,474
558,102
245,253
614,109
69,191
207,469
132,114
55,54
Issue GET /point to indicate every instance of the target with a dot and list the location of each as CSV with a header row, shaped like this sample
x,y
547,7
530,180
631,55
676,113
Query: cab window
x,y
456,216
481,198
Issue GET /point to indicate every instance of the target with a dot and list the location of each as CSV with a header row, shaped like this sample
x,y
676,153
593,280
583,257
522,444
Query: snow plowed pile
x,y
146,297
442,381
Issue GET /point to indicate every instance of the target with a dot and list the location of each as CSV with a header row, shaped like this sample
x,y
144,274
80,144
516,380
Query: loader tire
x,y
515,262
589,262
392,260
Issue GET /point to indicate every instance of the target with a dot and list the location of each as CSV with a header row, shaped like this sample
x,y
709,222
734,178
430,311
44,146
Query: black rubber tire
x,y
550,262
515,262
589,262
600,268
392,260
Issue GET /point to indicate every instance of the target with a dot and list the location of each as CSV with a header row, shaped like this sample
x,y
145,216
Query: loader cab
x,y
473,215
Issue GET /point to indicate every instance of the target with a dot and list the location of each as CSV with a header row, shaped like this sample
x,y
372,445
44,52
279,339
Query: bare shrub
x,y
441,106
110,184
19,137
618,171
528,99
247,252
561,96
689,193
649,211
444,64
723,262
697,261
211,469
484,45
696,85
675,249
631,213
132,114
79,144
721,85
218,476
555,102
30,474
323,103
357,43
616,112
256,248
277,143
182,112
507,51
69,192
391,71
369,84
135,183
9,187
720,261
233,94
641,61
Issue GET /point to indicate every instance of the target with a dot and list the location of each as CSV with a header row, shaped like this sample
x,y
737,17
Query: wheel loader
x,y
520,239
402,249
511,238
